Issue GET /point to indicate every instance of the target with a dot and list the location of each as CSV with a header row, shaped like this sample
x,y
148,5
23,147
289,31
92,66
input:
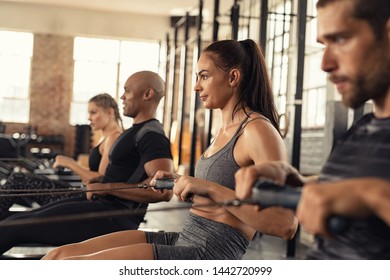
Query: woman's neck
x,y
228,119
110,128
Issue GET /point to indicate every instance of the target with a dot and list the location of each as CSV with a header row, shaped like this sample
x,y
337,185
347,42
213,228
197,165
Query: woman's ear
x,y
111,111
234,77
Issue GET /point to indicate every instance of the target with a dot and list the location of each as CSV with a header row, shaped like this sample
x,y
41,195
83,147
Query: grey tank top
x,y
221,166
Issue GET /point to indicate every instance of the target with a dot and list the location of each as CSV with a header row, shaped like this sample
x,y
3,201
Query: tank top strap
x,y
245,123
241,126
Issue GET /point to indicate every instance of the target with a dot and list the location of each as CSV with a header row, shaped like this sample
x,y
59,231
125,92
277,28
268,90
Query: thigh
x,y
132,252
100,243
162,238
60,231
168,252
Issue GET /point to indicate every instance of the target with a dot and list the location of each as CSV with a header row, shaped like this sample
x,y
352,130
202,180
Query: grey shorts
x,y
201,239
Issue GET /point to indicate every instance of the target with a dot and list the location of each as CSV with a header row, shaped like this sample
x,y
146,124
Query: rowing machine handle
x,y
266,193
164,184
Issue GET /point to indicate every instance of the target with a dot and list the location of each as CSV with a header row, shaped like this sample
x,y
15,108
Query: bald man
x,y
134,159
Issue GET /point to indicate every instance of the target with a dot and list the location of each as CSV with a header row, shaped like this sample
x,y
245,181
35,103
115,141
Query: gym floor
x,y
263,247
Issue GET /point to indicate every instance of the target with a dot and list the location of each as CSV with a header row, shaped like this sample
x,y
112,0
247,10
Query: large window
x,y
314,92
16,50
103,65
282,60
279,52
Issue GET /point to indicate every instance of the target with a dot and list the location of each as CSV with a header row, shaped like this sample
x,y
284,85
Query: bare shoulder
x,y
258,125
261,140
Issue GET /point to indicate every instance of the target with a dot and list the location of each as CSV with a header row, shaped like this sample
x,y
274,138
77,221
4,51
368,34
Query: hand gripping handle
x,y
266,193
164,184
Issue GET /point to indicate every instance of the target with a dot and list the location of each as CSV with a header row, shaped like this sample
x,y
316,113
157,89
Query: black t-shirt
x,y
128,156
363,152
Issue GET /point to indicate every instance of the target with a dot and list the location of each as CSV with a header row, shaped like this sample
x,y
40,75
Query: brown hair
x,y
255,90
375,12
106,101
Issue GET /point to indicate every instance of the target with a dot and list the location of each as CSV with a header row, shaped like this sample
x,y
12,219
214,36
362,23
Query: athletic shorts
x,y
201,239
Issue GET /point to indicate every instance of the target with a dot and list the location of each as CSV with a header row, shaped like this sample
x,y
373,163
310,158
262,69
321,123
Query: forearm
x,y
137,194
274,221
377,198
84,173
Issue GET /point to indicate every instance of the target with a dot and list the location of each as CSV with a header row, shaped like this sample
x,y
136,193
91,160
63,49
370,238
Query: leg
x,y
100,243
61,233
142,251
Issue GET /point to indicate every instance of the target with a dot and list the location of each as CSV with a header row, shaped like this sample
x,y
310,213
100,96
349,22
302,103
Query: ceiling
x,y
150,7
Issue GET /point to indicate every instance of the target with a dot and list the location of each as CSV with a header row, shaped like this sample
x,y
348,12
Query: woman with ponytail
x,y
104,117
231,77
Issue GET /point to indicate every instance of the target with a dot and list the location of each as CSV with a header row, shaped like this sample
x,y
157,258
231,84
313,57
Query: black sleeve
x,y
154,146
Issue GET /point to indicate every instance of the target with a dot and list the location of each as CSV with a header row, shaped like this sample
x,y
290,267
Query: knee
x,y
56,254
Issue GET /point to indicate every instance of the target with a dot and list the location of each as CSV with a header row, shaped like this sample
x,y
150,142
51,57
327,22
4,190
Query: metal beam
x,y
195,98
263,24
296,147
183,97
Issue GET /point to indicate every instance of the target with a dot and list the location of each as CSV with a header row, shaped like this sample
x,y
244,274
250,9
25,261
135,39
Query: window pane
x,y
14,110
91,78
16,43
15,76
79,113
96,49
137,56
95,71
97,62
15,63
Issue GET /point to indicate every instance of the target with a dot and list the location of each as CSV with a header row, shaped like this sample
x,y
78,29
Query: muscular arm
x,y
352,198
139,195
377,198
274,221
261,143
86,174
67,162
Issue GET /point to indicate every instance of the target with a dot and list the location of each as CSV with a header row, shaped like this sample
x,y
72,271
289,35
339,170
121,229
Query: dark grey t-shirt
x,y
363,152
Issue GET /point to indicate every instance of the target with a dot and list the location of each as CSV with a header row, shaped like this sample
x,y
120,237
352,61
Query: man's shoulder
x,y
150,126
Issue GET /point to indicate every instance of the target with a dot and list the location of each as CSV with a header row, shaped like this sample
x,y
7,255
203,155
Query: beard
x,y
374,85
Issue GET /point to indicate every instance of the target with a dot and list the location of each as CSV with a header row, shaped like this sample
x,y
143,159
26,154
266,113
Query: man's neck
x,y
382,107
144,118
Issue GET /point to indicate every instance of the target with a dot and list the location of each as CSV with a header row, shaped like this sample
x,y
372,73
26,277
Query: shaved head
x,y
142,94
148,79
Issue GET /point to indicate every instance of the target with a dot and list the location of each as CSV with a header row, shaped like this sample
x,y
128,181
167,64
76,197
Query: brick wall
x,y
312,152
51,88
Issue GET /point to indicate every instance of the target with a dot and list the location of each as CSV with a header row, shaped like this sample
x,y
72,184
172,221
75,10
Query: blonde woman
x,y
104,117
